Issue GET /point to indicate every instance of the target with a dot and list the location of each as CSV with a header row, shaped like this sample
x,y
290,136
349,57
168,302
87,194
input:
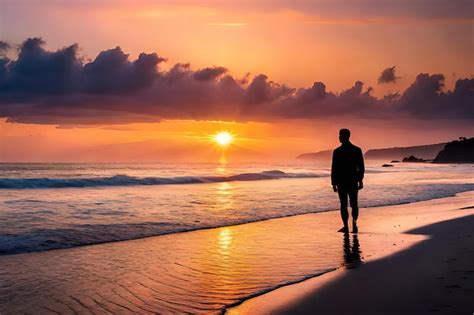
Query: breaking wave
x,y
124,180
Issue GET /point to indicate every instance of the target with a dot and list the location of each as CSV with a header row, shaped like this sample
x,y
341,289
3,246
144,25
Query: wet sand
x,y
433,276
206,271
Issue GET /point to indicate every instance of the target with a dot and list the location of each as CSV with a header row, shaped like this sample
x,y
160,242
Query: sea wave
x,y
16,239
125,180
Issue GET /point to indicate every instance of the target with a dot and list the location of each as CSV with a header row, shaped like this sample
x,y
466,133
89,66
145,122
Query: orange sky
x,y
189,140
293,42
290,46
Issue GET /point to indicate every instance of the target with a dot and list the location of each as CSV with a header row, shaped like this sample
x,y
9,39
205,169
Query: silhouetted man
x,y
347,173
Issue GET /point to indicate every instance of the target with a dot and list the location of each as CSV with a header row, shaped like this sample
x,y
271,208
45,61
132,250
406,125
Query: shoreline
x,y
207,270
362,295
197,229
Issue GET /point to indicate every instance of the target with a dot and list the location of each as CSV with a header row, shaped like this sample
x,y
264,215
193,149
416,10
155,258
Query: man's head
x,y
344,135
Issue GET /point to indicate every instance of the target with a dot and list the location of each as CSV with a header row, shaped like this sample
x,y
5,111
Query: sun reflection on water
x,y
225,241
224,196
221,170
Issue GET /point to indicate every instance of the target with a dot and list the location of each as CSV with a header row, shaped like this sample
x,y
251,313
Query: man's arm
x,y
360,169
333,171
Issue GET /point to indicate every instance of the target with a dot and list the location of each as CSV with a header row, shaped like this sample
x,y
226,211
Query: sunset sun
x,y
223,138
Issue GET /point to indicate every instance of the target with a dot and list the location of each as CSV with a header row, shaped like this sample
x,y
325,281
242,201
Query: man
x,y
347,173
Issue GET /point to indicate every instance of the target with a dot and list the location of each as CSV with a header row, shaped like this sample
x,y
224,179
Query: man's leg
x,y
353,194
342,192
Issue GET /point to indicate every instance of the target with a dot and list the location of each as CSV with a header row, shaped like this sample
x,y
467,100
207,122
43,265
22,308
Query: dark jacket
x,y
347,165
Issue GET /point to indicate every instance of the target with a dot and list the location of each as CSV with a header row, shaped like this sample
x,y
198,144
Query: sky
x,y
151,80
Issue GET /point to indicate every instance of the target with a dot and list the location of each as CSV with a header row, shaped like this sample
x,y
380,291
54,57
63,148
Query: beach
x,y
431,275
210,270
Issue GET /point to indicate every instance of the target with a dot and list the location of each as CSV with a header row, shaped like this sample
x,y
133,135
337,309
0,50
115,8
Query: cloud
x,y
207,74
112,73
388,76
4,47
260,90
61,88
425,98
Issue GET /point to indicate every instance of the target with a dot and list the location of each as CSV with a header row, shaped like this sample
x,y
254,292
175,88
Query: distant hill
x,y
461,151
426,152
320,155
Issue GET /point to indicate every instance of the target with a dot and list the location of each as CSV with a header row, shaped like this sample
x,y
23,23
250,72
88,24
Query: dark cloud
x,y
260,90
40,72
4,47
316,102
209,73
3,70
59,87
112,73
425,98
388,76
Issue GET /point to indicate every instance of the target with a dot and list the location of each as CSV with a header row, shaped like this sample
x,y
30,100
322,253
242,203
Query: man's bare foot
x,y
344,229
355,229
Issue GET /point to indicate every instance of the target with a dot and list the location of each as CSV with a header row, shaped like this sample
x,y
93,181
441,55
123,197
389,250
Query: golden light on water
x,y
223,138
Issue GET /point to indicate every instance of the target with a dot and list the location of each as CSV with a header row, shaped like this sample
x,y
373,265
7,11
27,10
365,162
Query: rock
x,y
413,159
461,151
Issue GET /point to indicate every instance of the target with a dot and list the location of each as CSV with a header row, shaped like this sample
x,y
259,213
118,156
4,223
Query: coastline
x,y
16,244
434,274
203,271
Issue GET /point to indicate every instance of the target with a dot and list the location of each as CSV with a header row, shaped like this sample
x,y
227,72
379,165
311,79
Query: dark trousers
x,y
345,192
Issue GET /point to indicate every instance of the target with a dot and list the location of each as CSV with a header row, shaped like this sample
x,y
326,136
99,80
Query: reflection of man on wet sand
x,y
351,253
347,173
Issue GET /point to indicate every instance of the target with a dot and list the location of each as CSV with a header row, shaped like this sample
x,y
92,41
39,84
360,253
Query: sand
x,y
432,276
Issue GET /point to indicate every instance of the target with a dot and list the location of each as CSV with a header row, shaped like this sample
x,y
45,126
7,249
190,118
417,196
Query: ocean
x,y
49,212
52,206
